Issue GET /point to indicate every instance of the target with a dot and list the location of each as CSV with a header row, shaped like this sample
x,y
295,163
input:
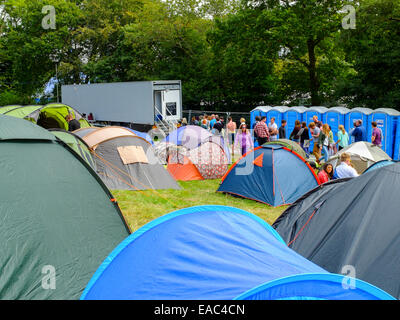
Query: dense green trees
x,y
229,54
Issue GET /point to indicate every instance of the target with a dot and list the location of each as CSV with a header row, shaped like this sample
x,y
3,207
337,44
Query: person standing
x,y
332,144
218,126
262,131
231,127
305,138
73,124
212,121
295,134
244,139
343,138
323,142
273,130
315,132
204,122
282,130
376,135
258,119
317,122
359,133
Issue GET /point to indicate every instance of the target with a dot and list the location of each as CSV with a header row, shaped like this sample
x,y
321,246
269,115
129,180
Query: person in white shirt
x,y
345,170
273,130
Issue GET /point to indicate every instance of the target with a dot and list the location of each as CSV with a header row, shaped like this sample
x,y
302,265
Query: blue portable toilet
x,y
387,120
259,111
291,115
355,114
334,117
269,112
215,253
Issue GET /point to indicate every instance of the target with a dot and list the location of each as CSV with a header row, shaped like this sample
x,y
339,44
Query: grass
x,y
141,207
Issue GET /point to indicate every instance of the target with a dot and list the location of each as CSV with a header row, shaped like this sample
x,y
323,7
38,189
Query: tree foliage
x,y
229,54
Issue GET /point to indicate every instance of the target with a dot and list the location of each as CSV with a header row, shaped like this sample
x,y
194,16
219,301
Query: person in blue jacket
x,y
359,133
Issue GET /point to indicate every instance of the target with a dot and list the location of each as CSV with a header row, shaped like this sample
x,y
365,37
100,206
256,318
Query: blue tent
x,y
143,135
379,164
214,253
271,174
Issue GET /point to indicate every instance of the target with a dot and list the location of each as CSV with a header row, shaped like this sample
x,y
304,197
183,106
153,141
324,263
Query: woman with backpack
x,y
294,136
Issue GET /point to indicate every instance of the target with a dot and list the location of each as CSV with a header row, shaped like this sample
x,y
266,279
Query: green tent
x,y
8,108
49,116
291,145
58,220
75,143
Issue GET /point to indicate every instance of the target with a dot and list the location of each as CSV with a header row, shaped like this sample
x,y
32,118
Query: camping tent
x,y
76,143
271,174
363,155
291,145
355,224
49,116
56,214
126,161
207,161
143,135
189,137
380,164
214,253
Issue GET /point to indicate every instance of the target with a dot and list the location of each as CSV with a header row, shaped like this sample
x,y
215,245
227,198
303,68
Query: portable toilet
x,y
258,111
387,121
355,114
396,147
334,117
291,115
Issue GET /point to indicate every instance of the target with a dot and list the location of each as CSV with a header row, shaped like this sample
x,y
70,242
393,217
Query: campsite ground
x,y
140,207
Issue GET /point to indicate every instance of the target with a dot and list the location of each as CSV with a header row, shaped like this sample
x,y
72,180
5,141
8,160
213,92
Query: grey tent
x,y
125,161
353,223
57,216
363,155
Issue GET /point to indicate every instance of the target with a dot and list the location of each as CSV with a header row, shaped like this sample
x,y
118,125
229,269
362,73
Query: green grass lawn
x,y
140,207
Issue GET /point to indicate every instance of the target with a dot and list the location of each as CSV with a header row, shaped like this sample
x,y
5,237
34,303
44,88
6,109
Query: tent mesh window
x,y
132,154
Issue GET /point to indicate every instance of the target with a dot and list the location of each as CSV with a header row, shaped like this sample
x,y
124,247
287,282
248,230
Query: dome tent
x,y
380,164
76,143
363,155
125,161
49,116
58,212
358,226
291,145
214,253
189,136
270,174
208,161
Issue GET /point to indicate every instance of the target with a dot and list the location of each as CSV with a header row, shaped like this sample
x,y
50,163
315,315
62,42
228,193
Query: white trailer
x,y
139,103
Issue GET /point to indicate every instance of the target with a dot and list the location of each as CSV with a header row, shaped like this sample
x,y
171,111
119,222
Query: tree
x,y
373,49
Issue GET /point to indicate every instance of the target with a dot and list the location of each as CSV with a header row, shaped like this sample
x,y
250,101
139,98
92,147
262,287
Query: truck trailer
x,y
138,104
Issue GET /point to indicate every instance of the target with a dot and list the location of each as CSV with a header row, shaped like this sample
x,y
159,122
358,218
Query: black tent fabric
x,y
350,225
